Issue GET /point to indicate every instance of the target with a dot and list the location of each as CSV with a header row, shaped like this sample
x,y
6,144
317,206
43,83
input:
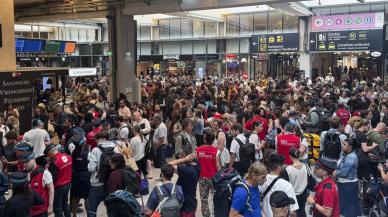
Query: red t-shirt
x,y
285,142
206,156
249,126
343,115
326,195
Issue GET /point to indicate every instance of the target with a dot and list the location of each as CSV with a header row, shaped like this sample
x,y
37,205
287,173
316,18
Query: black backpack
x,y
332,145
323,122
130,180
122,204
104,168
246,152
224,184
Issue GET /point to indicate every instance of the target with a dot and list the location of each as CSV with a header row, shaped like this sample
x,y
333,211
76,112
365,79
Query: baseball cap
x,y
18,178
279,199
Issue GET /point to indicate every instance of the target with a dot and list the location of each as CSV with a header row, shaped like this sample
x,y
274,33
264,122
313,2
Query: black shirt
x,y
19,206
188,179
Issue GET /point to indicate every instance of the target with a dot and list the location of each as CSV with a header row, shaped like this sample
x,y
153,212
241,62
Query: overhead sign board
x,y
348,21
287,42
347,40
82,72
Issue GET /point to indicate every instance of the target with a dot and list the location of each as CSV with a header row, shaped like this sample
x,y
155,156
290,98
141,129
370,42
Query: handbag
x,y
311,182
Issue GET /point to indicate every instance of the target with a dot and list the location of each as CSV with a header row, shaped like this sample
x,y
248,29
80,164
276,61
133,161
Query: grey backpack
x,y
169,206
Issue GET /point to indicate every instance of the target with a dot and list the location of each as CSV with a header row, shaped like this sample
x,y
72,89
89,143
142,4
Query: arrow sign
x,y
255,43
312,41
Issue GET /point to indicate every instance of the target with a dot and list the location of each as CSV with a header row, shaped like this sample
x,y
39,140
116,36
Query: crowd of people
x,y
253,148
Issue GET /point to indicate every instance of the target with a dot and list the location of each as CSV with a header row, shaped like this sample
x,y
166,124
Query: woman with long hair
x,y
137,146
23,198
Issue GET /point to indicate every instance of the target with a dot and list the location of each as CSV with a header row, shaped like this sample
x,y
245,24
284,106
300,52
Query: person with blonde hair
x,y
249,188
350,128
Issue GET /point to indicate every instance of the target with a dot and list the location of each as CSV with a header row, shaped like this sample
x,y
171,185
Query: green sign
x,y
109,53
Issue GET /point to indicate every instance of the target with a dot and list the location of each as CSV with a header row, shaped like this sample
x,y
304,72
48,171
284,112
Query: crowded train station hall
x,y
193,108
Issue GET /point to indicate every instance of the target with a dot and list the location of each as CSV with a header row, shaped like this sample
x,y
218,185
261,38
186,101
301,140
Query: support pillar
x,y
305,64
122,43
7,49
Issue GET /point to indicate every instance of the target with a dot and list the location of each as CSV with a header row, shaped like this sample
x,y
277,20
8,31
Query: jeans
x,y
302,198
349,200
160,158
61,206
97,194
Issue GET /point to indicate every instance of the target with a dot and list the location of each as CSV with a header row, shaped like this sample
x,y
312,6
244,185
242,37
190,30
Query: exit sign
x,y
109,53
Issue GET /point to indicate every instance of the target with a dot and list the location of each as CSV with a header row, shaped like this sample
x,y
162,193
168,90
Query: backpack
x,y
131,180
104,168
246,152
224,184
122,204
332,145
323,122
168,206
313,141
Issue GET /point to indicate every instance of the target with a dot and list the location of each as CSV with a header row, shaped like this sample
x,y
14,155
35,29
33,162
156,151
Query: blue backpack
x,y
122,204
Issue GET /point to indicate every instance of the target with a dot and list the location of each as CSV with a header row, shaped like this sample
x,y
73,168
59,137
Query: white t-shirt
x,y
124,131
298,178
305,156
137,146
280,185
37,137
160,132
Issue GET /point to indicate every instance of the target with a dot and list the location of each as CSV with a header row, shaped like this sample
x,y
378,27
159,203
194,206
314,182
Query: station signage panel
x,y
354,40
286,42
348,21
82,72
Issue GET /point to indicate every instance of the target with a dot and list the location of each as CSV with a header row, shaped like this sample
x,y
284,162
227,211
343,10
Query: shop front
x,y
352,44
274,55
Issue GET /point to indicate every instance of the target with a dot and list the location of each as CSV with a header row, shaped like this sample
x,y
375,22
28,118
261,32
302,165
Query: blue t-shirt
x,y
153,200
240,195
188,179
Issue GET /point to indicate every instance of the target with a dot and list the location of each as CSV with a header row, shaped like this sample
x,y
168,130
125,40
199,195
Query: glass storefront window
x,y
156,47
260,23
232,46
275,22
198,28
221,29
246,24
360,8
340,10
138,32
155,33
210,29
232,25
377,7
187,47
386,12
244,45
145,32
211,47
290,23
175,28
186,28
199,47
164,26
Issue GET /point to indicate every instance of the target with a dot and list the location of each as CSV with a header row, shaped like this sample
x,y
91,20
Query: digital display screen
x,y
52,46
19,44
69,47
33,46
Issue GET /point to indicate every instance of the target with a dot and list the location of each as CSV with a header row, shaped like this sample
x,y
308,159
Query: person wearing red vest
x,y
343,114
259,113
285,141
60,167
208,161
90,137
41,181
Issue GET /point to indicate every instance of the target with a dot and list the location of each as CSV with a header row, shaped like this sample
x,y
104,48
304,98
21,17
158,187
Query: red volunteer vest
x,y
285,142
63,163
206,156
343,115
36,183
